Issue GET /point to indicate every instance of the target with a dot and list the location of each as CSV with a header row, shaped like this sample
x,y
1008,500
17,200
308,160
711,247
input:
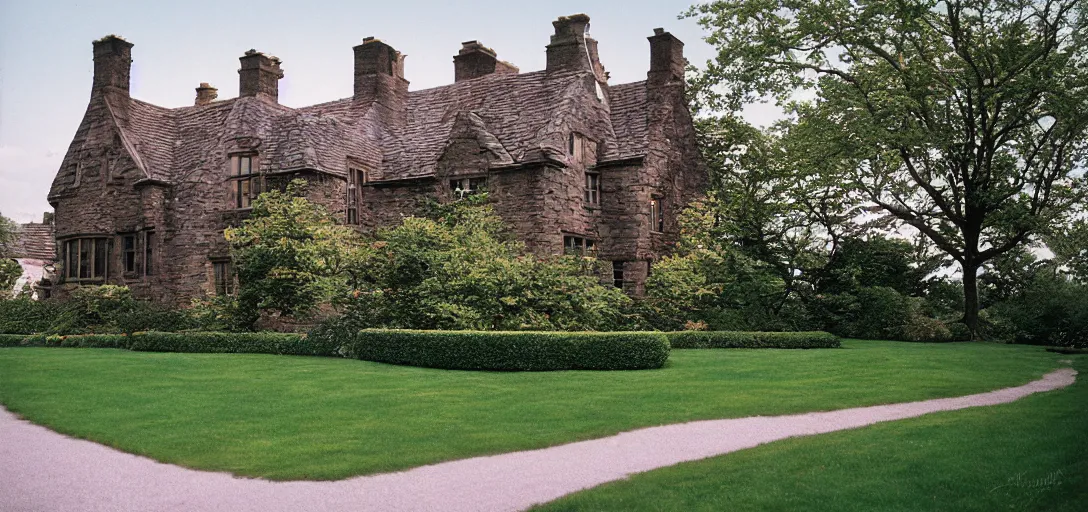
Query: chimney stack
x,y
667,60
379,78
572,48
206,94
112,64
259,76
476,60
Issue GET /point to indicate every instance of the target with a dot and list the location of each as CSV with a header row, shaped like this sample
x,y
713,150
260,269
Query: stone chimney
x,y
572,48
112,64
476,60
206,94
667,60
259,76
379,78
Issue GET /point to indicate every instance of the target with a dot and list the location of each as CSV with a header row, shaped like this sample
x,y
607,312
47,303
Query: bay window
x,y
86,258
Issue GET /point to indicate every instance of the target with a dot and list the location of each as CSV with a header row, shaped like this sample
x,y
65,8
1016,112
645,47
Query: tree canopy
x,y
967,120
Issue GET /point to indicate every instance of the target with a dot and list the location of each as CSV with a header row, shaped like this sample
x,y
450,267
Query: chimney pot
x,y
259,76
112,64
570,45
206,94
379,78
667,60
476,60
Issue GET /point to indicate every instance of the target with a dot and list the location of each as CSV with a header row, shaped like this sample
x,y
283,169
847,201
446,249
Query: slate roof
x,y
628,113
33,241
516,116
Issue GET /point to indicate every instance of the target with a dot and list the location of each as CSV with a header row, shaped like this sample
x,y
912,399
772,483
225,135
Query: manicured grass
x,y
284,417
1028,455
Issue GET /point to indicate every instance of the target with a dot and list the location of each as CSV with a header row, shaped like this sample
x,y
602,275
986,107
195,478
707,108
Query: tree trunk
x,y
970,296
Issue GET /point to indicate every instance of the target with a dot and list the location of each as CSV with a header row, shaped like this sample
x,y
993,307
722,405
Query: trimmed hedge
x,y
14,340
512,351
737,339
454,350
227,342
194,342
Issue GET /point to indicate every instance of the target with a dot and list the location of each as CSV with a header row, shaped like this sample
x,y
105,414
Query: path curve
x,y
41,470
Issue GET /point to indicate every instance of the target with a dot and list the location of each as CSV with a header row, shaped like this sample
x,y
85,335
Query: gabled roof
x,y
517,117
33,241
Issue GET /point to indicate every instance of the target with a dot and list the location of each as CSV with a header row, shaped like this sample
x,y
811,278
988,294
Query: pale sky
x,y
46,65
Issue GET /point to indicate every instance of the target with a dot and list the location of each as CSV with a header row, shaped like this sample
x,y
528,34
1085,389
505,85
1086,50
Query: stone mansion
x,y
570,162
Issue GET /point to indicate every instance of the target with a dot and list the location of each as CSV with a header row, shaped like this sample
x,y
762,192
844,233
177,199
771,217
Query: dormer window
x,y
356,179
582,150
245,182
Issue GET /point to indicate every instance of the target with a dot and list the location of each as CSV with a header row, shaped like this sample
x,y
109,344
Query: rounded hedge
x,y
511,351
738,339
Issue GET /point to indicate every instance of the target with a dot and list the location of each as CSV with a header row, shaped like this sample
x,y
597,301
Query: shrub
x,y
88,340
227,342
91,309
334,332
737,339
925,329
458,268
25,316
521,350
1050,310
193,342
139,315
13,340
959,331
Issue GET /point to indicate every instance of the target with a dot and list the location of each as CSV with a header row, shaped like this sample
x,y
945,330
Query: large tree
x,y
964,119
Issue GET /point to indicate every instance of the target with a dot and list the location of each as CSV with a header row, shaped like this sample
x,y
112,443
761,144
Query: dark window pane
x,y
149,252
617,274
477,184
128,253
243,195
84,258
71,249
224,278
100,258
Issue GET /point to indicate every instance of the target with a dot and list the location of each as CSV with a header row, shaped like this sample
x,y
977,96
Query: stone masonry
x,y
571,162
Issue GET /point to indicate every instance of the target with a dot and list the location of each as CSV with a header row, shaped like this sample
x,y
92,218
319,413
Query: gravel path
x,y
41,470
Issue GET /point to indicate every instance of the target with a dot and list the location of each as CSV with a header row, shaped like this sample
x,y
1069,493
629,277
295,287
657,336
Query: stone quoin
x,y
570,162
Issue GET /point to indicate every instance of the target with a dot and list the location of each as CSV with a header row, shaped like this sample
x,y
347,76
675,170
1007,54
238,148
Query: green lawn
x,y
284,417
1027,455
